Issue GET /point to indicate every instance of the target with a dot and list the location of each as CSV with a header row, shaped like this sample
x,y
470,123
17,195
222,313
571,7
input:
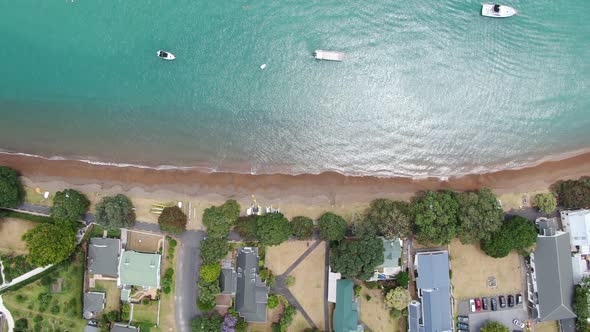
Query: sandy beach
x,y
308,195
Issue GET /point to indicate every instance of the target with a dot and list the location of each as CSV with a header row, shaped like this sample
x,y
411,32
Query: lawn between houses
x,y
48,307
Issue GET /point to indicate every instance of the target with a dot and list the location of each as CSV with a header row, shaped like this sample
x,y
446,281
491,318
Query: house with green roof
x,y
392,253
346,312
139,269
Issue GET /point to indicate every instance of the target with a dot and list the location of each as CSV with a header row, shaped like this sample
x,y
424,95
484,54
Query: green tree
x,y
210,272
210,323
246,227
213,249
172,220
207,294
231,210
436,217
364,228
394,219
517,233
273,301
216,222
546,202
302,227
272,229
12,193
398,298
573,194
115,212
49,243
580,307
403,279
357,258
480,215
21,325
332,227
491,326
69,205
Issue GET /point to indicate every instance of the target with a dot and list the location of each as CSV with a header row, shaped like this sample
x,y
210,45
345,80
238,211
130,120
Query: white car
x,y
472,305
518,323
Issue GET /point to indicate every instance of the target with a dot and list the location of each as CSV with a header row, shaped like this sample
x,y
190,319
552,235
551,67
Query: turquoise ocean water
x,y
427,88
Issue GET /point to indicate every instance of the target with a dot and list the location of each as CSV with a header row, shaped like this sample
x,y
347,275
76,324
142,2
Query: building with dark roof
x,y
346,312
118,327
103,257
93,304
251,292
550,283
228,278
433,313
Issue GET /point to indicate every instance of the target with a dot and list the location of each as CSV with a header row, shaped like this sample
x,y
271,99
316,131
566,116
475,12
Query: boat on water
x,y
328,55
165,55
496,10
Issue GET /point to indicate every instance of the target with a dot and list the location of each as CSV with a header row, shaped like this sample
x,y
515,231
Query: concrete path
x,y
7,315
25,276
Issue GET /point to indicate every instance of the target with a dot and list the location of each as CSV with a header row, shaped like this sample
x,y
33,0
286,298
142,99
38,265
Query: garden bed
x,y
14,266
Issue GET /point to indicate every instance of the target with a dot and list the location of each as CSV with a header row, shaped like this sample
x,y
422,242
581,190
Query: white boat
x,y
165,55
498,11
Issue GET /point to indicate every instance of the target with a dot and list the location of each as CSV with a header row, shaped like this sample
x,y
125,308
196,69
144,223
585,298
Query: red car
x,y
478,304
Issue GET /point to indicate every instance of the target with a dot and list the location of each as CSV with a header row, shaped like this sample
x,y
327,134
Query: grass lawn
x,y
31,196
51,311
374,313
113,294
550,326
11,233
146,313
97,231
167,319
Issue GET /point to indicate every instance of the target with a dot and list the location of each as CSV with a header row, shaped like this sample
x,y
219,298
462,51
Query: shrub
x,y
115,212
167,281
213,249
207,294
145,301
69,205
368,297
55,309
172,220
403,279
573,194
273,301
302,227
399,298
210,323
491,326
290,281
546,202
12,193
267,276
21,325
332,227
125,311
172,243
286,319
210,272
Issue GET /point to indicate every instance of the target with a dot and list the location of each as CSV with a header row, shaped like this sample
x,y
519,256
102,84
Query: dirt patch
x,y
546,327
279,258
143,242
472,270
11,232
308,288
57,285
374,313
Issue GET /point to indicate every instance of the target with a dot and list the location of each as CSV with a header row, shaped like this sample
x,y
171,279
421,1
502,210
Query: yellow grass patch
x,y
309,284
472,267
143,242
374,313
113,294
279,258
550,326
11,232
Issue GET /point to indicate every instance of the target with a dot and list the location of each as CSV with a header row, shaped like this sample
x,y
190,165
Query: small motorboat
x,y
165,55
495,10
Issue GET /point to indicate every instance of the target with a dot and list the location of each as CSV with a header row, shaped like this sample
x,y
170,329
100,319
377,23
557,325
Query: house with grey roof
x,y
392,253
118,327
228,277
433,313
94,303
577,224
251,292
550,281
139,269
103,257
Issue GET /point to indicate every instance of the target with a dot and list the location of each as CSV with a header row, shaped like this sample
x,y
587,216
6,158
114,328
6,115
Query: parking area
x,y
504,316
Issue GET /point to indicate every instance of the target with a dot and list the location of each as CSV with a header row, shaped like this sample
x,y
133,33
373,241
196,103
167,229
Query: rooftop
x,y
103,256
577,224
140,269
346,314
124,328
251,292
93,304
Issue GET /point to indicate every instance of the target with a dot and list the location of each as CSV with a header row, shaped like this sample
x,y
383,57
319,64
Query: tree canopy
x,y
491,326
436,217
213,249
302,227
272,229
207,294
209,323
172,220
580,307
546,202
357,258
231,210
220,219
210,272
573,194
115,212
332,227
479,215
69,205
12,193
394,219
246,227
49,243
518,233
398,298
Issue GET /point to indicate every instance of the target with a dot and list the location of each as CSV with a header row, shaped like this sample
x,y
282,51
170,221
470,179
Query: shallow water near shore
x,y
427,88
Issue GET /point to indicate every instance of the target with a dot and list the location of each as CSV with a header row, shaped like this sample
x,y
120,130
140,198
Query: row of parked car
x,y
463,324
478,304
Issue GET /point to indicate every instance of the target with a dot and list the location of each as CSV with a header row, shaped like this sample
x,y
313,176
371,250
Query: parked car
x,y
518,323
518,299
510,300
494,304
463,319
472,305
478,304
502,301
484,303
463,326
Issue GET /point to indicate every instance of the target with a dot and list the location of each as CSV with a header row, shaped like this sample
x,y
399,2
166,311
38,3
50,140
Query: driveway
x,y
188,262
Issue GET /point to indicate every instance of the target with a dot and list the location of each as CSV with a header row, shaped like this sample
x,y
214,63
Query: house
x,y
118,327
139,269
433,313
346,312
251,292
228,278
333,278
392,253
103,257
577,225
94,303
550,281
